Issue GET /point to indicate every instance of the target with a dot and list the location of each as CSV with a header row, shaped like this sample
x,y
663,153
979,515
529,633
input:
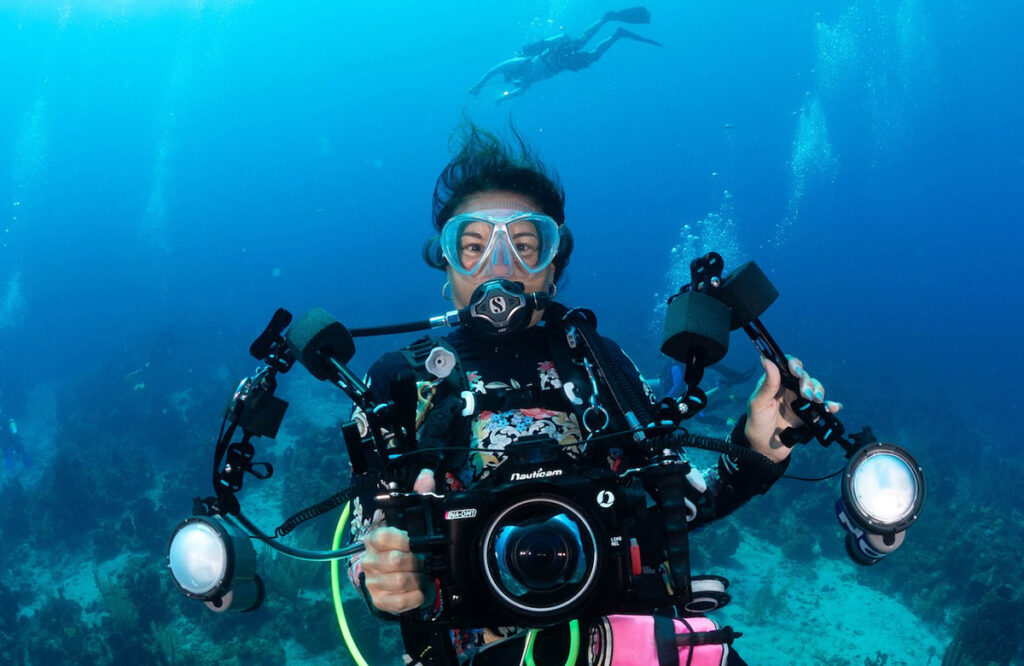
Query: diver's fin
x,y
622,32
631,15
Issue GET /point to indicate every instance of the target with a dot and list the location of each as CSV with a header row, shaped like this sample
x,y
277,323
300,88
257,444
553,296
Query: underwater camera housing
x,y
543,537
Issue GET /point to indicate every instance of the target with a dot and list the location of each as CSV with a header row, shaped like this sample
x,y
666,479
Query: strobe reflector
x,y
213,561
882,492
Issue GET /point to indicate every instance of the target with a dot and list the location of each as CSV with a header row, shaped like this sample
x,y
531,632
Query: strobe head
x,y
213,561
883,490
540,558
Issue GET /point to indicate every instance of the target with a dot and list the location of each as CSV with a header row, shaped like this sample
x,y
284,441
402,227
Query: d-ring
x,y
601,411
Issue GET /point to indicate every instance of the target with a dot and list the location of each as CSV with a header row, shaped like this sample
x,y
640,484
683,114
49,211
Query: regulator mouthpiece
x,y
499,308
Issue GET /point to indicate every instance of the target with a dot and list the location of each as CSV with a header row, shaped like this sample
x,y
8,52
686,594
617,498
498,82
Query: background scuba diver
x,y
545,58
480,198
11,445
722,391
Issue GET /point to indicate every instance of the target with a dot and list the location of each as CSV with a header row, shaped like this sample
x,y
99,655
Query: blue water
x,y
172,172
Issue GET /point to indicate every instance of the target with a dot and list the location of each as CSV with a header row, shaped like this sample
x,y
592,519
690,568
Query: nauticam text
x,y
535,474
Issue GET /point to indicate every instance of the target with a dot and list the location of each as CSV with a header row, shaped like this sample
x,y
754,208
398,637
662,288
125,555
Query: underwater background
x,y
173,172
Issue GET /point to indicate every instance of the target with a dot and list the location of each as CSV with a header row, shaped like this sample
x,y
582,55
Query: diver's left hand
x,y
769,413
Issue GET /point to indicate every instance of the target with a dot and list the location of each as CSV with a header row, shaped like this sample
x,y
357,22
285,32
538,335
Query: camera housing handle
x,y
668,479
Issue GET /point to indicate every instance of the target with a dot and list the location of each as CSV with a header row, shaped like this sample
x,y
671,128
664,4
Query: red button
x,y
634,557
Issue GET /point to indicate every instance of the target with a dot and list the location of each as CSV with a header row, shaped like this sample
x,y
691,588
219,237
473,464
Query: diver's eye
x,y
470,253
527,252
472,249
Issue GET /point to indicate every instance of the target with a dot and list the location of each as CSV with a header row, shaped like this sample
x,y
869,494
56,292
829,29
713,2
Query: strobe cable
x,y
682,439
361,485
298,553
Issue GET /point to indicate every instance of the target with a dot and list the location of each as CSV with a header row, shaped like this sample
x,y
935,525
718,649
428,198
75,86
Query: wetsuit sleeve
x,y
755,479
727,485
730,483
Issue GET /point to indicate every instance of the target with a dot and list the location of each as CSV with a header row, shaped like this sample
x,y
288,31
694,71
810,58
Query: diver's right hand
x,y
394,575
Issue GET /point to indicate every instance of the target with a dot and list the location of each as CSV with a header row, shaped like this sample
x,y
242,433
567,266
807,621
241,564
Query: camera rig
x,y
548,536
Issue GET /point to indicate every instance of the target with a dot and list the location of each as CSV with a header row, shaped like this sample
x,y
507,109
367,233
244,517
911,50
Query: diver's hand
x,y
394,575
769,413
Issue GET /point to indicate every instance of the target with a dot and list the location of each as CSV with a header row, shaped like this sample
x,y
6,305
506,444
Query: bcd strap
x,y
723,636
570,335
436,429
668,642
417,353
624,395
665,641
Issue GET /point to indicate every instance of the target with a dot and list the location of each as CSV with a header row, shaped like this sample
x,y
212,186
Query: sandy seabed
x,y
819,614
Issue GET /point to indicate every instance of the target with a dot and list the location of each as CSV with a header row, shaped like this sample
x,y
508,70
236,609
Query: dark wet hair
x,y
487,163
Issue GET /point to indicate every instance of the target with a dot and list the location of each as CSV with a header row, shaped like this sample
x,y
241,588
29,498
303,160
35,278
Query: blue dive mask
x,y
497,242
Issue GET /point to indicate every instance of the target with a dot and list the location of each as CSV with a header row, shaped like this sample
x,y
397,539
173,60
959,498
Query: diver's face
x,y
464,285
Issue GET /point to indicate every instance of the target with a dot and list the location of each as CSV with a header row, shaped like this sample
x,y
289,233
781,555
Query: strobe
x,y
883,487
213,561
883,490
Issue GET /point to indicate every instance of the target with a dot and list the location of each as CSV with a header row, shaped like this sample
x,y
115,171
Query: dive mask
x,y
494,242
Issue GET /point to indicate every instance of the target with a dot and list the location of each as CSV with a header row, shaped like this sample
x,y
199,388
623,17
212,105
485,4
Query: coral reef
x,y
8,624
989,633
767,604
714,544
58,634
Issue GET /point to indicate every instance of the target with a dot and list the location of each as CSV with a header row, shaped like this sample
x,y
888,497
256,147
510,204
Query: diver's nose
x,y
501,263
